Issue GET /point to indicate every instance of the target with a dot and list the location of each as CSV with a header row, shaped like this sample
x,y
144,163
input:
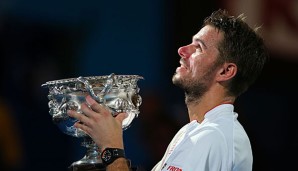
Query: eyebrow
x,y
199,40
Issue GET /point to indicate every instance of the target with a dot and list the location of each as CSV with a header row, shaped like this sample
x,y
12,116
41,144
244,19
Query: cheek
x,y
199,66
196,68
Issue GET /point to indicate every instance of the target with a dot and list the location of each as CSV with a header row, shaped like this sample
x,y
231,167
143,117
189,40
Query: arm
x,y
118,164
103,128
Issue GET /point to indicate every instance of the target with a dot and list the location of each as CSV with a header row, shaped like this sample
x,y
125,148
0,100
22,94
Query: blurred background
x,y
55,39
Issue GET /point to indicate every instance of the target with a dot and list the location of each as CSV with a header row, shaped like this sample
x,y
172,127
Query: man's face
x,y
198,62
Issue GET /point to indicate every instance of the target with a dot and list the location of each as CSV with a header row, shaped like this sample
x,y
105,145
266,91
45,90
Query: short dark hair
x,y
241,45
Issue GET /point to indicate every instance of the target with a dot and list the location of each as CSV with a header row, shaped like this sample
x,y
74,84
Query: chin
x,y
176,79
180,75
176,76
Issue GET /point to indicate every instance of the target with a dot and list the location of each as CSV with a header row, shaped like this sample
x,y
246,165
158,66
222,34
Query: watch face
x,y
109,155
106,156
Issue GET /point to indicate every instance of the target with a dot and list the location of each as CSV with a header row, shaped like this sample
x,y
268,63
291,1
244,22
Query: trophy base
x,y
87,167
94,167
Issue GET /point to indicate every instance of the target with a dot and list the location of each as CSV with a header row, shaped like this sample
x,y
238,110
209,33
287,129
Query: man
x,y
223,60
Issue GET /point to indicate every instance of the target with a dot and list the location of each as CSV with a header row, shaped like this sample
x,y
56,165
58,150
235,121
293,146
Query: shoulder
x,y
209,133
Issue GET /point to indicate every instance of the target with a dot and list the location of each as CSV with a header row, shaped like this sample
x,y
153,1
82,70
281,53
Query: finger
x,y
121,116
86,110
89,112
83,127
79,116
93,104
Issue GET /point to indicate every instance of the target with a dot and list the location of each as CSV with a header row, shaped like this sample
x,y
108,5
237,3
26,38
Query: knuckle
x,y
80,116
97,119
96,107
84,107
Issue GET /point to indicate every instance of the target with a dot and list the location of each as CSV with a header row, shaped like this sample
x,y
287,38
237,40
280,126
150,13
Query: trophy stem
x,y
91,161
92,153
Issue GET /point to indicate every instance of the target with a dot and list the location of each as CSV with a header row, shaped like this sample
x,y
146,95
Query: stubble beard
x,y
195,88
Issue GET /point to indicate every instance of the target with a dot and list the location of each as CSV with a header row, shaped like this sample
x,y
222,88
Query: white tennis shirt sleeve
x,y
219,143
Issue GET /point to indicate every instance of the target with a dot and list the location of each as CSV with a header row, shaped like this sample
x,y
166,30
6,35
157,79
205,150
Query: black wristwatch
x,y
109,155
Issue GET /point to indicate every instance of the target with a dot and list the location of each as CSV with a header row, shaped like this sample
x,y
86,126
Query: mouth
x,y
183,64
183,67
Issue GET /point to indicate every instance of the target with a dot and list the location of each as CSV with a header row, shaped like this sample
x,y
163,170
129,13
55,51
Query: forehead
x,y
209,35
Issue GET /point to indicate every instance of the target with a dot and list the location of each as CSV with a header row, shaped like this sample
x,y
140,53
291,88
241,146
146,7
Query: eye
x,y
198,48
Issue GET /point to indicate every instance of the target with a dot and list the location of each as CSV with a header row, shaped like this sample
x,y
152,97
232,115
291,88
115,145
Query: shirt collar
x,y
219,110
215,112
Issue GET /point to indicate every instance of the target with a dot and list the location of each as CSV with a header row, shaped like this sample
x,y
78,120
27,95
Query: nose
x,y
185,51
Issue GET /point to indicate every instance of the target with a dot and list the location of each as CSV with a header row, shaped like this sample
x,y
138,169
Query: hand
x,y
99,124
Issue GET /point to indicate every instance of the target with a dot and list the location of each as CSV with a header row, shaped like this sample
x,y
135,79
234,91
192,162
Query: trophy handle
x,y
107,88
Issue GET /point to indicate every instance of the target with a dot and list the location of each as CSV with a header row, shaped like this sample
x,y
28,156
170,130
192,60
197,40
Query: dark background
x,y
49,40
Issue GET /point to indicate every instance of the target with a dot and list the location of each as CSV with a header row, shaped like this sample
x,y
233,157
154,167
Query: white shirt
x,y
219,143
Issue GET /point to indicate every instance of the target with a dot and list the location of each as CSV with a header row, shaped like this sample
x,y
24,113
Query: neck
x,y
198,109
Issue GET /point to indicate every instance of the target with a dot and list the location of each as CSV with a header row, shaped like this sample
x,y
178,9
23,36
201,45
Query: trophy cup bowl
x,y
119,93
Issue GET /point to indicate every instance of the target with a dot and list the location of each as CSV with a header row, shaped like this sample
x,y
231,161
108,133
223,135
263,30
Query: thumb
x,y
121,116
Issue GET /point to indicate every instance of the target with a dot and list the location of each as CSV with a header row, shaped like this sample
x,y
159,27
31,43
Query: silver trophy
x,y
120,93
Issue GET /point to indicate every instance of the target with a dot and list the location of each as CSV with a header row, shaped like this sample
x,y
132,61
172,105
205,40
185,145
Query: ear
x,y
226,72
